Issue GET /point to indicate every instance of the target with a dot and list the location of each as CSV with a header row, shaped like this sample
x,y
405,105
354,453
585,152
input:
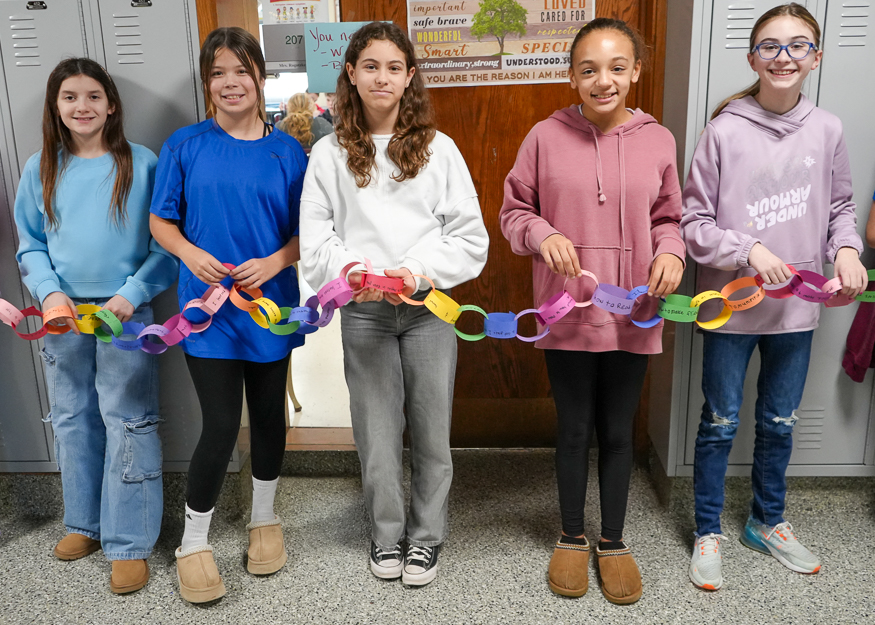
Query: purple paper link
x,y
129,327
803,291
500,325
612,298
148,346
634,294
531,339
306,328
325,317
303,313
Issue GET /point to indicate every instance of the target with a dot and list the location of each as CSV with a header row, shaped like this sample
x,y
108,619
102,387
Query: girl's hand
x,y
204,265
255,271
850,271
368,295
120,307
59,298
771,268
409,284
665,275
560,256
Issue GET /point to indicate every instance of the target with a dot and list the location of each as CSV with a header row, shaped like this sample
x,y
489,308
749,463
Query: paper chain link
x,y
307,319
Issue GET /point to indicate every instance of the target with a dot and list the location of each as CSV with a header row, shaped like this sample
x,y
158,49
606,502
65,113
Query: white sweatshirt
x,y
431,224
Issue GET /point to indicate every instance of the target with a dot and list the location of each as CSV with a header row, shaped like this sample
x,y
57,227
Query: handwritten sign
x,y
325,46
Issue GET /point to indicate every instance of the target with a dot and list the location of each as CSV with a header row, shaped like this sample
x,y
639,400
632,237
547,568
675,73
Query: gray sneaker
x,y
706,567
781,542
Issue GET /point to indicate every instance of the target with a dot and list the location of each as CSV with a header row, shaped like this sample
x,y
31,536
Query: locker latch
x,y
36,6
139,4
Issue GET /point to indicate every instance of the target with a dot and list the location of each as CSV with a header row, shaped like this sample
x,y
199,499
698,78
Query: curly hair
x,y
299,119
58,142
414,128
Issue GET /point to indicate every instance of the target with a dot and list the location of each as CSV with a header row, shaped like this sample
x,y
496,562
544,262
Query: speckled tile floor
x,y
493,569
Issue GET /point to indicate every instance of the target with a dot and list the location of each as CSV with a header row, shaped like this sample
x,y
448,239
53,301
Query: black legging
x,y
219,385
601,391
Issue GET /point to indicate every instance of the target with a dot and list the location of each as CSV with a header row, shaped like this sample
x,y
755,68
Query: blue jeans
x,y
104,412
401,359
784,367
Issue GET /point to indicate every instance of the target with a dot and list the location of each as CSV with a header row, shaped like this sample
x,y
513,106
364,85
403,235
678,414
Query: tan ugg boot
x,y
74,546
569,569
198,576
128,576
267,552
619,576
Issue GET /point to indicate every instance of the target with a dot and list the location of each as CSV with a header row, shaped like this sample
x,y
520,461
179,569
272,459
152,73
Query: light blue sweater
x,y
87,256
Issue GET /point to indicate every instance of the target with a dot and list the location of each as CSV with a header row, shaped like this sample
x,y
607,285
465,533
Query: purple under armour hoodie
x,y
781,180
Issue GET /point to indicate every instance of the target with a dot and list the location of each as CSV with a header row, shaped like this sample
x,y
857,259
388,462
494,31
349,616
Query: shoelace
x,y
420,554
389,551
710,541
780,528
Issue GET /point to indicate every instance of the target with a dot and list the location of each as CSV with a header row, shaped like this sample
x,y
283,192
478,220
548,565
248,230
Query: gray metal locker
x,y
834,433
151,50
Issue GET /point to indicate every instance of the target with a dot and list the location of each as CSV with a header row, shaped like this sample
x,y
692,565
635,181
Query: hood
x,y
766,121
571,117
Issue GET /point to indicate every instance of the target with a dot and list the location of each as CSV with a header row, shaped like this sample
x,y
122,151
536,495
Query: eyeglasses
x,y
797,50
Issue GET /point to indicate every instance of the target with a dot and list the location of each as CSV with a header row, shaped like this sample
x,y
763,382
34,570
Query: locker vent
x,y
855,20
808,433
739,23
24,41
128,38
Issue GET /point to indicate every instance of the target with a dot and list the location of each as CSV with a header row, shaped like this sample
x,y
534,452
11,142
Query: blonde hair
x,y
298,121
791,10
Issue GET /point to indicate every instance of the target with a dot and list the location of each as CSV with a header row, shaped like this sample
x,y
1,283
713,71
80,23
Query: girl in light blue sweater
x,y
82,213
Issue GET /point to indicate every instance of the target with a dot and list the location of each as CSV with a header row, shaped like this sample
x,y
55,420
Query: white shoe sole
x,y
419,579
778,556
387,572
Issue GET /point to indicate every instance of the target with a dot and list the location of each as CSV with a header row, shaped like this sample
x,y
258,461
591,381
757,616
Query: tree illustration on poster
x,y
499,18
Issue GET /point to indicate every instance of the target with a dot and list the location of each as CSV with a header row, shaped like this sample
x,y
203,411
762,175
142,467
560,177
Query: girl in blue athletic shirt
x,y
227,191
82,213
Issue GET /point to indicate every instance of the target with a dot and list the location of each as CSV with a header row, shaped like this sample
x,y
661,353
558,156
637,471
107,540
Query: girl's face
x,y
603,70
380,75
233,91
783,74
83,107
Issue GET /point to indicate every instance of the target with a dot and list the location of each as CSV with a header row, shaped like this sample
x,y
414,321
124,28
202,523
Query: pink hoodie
x,y
616,196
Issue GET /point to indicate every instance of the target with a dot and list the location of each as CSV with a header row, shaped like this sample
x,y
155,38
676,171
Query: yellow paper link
x,y
717,321
273,312
443,306
88,323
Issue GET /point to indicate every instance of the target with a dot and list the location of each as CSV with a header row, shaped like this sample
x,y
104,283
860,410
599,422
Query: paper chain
x,y
306,319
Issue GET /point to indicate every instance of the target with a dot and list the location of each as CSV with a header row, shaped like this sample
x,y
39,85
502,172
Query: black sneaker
x,y
386,562
420,565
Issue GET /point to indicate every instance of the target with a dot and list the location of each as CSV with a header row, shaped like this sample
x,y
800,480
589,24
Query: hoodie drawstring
x,y
622,158
598,165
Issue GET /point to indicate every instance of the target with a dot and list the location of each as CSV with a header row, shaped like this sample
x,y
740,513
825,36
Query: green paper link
x,y
287,328
677,308
470,337
112,321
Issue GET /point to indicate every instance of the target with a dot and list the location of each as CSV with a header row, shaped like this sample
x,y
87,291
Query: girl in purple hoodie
x,y
595,188
769,185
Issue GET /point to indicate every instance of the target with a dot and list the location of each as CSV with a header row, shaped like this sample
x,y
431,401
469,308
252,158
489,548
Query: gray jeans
x,y
401,359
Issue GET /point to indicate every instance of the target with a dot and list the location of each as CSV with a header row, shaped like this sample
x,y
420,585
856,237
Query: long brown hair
x,y
299,119
58,142
246,48
792,10
414,128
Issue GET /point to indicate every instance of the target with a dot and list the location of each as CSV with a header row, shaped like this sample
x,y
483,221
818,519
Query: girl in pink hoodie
x,y
595,187
769,184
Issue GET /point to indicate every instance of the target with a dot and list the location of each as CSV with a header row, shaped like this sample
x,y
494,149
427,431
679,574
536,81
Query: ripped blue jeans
x,y
784,367
104,413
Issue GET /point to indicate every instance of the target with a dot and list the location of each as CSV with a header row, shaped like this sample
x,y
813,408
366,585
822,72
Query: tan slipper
x,y
128,576
199,579
74,546
618,573
267,552
569,569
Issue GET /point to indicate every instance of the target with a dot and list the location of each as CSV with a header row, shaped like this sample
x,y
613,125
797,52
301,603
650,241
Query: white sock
x,y
263,493
197,527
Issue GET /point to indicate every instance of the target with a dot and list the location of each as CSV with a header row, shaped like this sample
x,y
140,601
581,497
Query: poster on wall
x,y
495,42
282,29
